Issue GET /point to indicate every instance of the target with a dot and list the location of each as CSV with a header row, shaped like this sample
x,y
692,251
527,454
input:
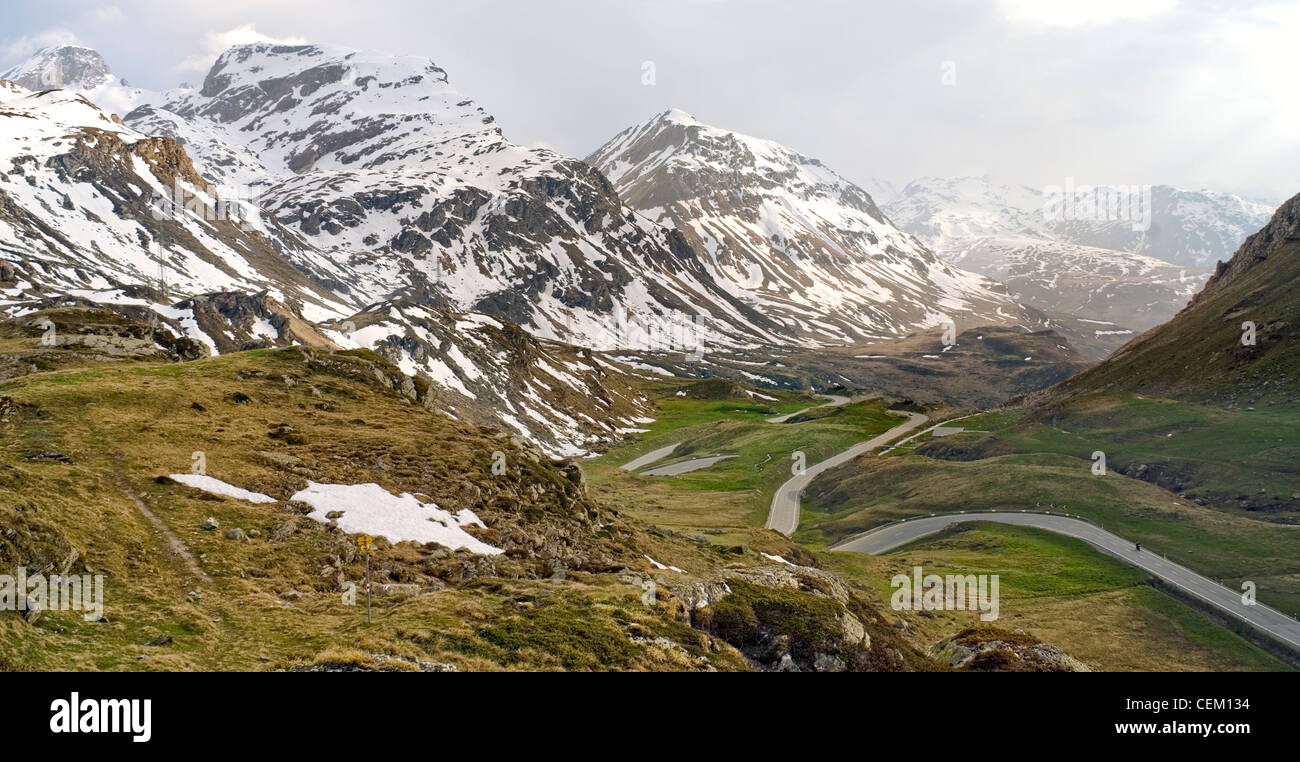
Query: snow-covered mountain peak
x,y
784,232
67,67
283,110
413,188
976,188
678,116
253,63
317,80
90,206
81,70
945,212
675,143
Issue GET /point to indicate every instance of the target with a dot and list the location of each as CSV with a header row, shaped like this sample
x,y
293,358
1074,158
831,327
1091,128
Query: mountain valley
x,y
322,299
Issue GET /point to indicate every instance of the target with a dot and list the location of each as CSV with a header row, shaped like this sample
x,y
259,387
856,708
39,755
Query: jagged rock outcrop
x,y
787,618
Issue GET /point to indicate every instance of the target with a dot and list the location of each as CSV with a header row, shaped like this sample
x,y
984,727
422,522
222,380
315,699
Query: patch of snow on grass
x,y
661,566
218,487
371,509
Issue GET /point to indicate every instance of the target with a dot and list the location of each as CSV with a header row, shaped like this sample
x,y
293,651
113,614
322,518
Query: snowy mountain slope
x,y
1193,229
1103,284
378,185
1093,268
80,69
949,213
227,289
292,109
62,67
82,209
568,400
1201,355
787,234
414,191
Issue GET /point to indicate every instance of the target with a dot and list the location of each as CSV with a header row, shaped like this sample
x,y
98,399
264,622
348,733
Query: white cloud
x,y
216,43
1186,92
107,14
1074,13
1248,76
23,47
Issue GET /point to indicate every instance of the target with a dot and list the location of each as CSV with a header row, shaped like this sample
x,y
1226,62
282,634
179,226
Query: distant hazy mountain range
x,y
1092,267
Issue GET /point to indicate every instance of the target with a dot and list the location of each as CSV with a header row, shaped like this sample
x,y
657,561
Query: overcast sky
x,y
1194,93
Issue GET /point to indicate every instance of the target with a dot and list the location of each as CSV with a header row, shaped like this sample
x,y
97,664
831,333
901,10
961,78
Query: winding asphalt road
x,y
649,457
904,441
1267,620
835,401
784,513
832,400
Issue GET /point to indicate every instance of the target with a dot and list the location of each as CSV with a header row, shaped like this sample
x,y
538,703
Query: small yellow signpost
x,y
367,545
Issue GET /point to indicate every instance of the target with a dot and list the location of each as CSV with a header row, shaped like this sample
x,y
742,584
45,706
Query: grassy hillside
x,y
1059,589
735,492
87,446
1232,548
1199,355
1199,433
1246,462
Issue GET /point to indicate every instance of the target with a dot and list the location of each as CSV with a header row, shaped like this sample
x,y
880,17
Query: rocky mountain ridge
x,y
785,233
